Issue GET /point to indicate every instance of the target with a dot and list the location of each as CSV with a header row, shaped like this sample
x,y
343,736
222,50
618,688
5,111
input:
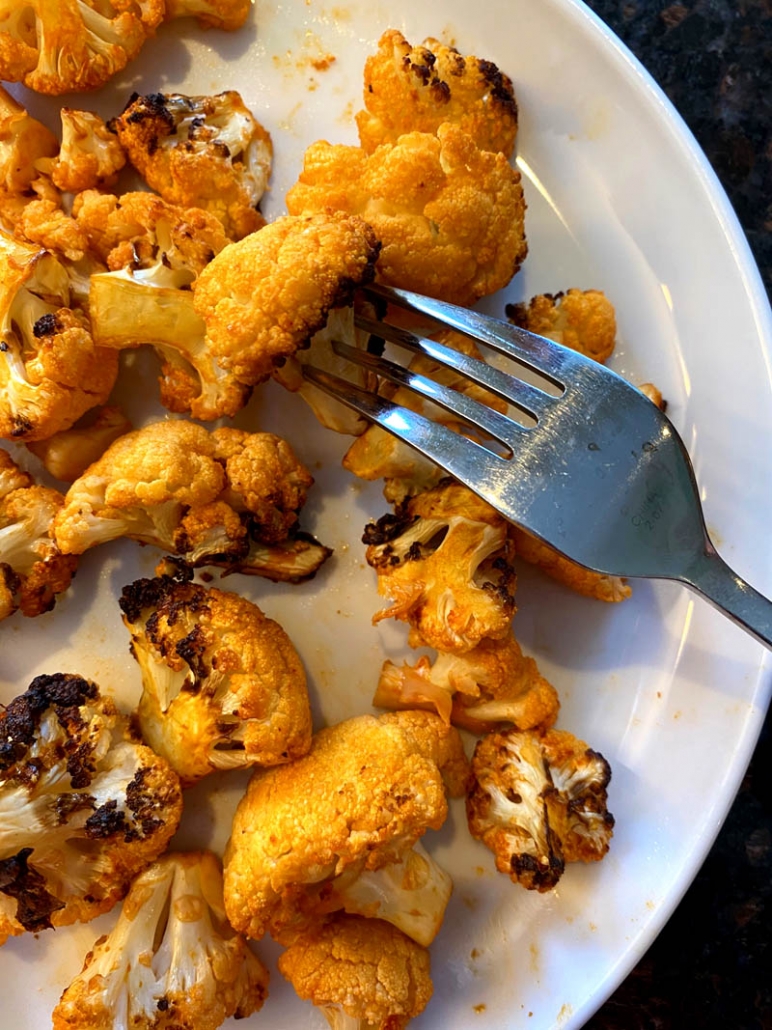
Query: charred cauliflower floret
x,y
417,89
24,142
265,296
362,974
583,320
538,802
168,484
223,686
445,561
219,14
72,45
203,151
33,572
171,962
449,215
83,805
66,455
51,372
90,156
577,578
492,684
338,829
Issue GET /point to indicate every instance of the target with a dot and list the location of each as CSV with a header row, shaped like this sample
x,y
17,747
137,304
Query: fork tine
x,y
534,352
480,415
527,398
459,456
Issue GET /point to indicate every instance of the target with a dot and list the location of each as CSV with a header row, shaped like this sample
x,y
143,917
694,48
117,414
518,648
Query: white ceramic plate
x,y
619,198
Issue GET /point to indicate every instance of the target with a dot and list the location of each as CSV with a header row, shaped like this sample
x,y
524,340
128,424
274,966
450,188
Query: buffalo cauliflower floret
x,y
445,561
263,477
576,577
583,320
42,221
83,806
154,251
363,974
334,830
416,89
66,455
129,231
171,962
449,215
203,151
168,484
538,802
254,303
492,684
24,142
33,572
72,45
265,296
50,370
219,14
90,156
223,686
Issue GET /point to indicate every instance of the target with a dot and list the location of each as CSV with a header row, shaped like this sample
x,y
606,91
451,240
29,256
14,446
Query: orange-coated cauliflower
x,y
449,215
42,221
583,320
493,684
265,478
223,686
363,974
202,151
339,828
417,89
51,372
63,46
171,962
539,801
265,296
576,577
167,484
90,156
32,569
24,142
83,805
445,561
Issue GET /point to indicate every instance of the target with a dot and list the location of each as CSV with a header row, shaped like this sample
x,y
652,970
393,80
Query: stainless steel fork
x,y
602,476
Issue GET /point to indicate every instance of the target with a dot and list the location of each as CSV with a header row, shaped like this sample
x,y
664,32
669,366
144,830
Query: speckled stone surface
x,y
711,967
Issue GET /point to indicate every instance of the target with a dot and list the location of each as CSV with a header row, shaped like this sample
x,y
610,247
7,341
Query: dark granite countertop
x,y
711,967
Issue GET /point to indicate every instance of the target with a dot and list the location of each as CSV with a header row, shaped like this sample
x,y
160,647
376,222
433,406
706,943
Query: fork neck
x,y
710,576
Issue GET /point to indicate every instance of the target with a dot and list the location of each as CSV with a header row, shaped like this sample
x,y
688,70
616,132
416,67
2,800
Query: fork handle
x,y
718,583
